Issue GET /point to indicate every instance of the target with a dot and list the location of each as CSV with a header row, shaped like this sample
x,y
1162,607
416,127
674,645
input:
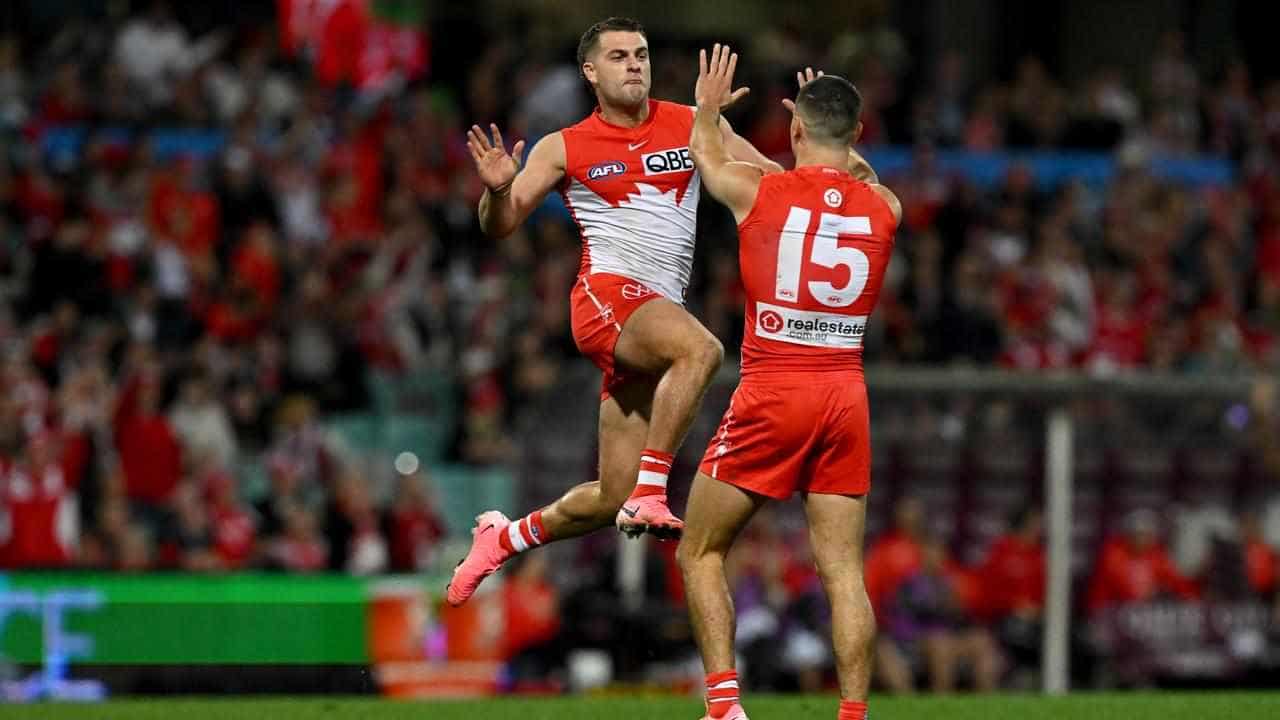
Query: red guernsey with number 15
x,y
813,252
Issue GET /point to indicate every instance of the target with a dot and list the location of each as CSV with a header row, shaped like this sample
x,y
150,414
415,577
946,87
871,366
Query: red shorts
x,y
778,438
599,306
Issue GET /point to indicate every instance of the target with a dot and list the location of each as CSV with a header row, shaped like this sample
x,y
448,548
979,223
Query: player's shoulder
x,y
890,199
674,113
549,148
834,187
876,195
553,139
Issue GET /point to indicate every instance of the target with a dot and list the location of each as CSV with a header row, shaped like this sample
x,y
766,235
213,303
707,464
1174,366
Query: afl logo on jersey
x,y
667,161
833,197
770,321
605,169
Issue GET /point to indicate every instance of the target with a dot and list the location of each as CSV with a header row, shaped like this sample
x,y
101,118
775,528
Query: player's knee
x,y
708,352
692,555
842,574
600,512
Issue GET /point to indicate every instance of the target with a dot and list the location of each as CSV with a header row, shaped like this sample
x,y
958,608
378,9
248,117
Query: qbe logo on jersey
x,y
816,329
667,161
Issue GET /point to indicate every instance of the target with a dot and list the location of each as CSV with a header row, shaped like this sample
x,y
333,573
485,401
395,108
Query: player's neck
x,y
823,157
622,116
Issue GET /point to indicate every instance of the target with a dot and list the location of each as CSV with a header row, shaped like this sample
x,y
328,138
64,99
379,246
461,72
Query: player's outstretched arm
x,y
733,183
511,192
739,148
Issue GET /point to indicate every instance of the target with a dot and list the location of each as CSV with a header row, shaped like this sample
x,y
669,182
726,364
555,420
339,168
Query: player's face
x,y
619,68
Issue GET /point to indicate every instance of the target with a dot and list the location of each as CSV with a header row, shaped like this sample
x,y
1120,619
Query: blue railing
x,y
1048,168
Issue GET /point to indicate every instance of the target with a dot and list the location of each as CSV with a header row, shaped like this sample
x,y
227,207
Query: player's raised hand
x,y
806,76
803,77
495,166
715,78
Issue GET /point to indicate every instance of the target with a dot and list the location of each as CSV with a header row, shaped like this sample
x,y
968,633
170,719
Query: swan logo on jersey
x,y
605,169
635,291
667,161
816,329
833,197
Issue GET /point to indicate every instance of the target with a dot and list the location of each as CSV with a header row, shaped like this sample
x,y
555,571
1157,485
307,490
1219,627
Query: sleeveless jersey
x,y
633,193
813,252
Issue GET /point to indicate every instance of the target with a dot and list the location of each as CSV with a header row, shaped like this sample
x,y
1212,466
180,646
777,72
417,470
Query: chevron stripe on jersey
x,y
633,193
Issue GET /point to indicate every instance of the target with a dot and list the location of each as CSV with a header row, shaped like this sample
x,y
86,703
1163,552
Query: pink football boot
x,y
484,558
649,513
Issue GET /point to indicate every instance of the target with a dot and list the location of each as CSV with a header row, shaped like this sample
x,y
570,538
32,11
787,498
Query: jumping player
x,y
813,246
627,178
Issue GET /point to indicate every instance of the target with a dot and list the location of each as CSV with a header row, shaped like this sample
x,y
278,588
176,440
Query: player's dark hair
x,y
591,37
830,107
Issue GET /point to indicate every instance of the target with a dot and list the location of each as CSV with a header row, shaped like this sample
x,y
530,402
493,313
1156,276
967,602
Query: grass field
x,y
1131,706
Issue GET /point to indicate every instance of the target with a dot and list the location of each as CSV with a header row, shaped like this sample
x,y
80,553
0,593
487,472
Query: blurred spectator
x,y
1198,527
1135,567
531,606
352,529
150,455
13,108
300,548
39,526
190,541
1264,428
1013,583
1262,562
302,458
201,423
896,555
103,547
235,526
136,550
155,52
1014,571
926,626
414,526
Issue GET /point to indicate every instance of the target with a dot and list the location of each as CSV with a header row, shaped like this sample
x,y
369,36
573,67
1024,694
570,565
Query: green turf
x,y
1137,706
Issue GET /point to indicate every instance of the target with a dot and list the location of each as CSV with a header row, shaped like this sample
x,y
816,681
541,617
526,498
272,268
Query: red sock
x,y
654,468
852,710
525,533
722,692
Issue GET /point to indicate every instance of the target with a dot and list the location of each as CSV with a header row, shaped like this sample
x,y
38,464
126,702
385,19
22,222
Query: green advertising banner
x,y
185,619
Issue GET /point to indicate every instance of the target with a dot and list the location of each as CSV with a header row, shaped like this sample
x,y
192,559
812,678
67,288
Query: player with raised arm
x,y
813,246
626,177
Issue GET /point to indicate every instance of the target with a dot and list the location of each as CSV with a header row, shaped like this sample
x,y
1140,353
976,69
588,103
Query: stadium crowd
x,y
169,315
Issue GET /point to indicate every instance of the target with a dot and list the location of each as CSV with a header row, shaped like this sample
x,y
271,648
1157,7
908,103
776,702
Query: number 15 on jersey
x,y
826,252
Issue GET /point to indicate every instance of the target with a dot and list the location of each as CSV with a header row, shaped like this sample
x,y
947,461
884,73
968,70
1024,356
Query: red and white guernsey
x,y
634,195
813,253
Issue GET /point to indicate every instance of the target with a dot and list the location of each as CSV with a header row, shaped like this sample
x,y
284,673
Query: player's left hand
x,y
803,77
715,78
